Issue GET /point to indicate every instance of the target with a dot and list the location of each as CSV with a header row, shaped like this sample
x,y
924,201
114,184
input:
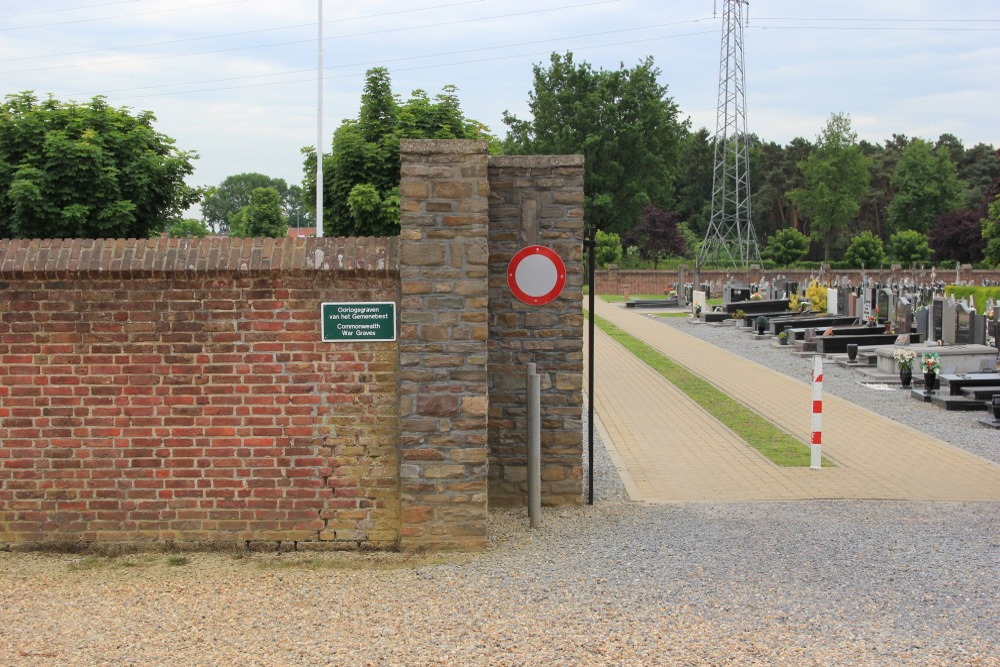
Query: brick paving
x,y
668,449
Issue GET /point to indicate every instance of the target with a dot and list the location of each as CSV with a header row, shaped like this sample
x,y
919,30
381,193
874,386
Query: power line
x,y
415,67
419,57
300,41
242,32
120,16
67,9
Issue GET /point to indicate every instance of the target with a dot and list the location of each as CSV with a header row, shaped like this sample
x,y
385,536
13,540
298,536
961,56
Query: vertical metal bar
x,y
319,121
591,242
534,447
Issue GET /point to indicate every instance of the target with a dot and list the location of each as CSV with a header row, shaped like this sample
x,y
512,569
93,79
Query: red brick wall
x,y
179,390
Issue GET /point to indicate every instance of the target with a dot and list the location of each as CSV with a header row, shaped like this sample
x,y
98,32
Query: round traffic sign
x,y
536,275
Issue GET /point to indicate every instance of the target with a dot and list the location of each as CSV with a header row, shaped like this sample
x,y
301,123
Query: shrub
x,y
866,250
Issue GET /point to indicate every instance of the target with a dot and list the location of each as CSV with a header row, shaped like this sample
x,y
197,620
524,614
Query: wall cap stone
x,y
535,161
161,257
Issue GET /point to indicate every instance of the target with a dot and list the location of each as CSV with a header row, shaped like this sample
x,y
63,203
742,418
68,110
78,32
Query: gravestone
x,y
963,324
852,304
699,299
831,300
904,316
884,304
736,292
923,318
937,318
977,333
949,322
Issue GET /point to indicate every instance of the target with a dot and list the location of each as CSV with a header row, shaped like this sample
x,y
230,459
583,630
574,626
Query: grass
x,y
777,445
353,561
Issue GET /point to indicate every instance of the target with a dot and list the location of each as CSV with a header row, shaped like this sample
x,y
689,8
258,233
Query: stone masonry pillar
x,y
444,257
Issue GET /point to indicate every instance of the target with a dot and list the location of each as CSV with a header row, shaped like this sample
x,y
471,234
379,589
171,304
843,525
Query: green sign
x,y
357,322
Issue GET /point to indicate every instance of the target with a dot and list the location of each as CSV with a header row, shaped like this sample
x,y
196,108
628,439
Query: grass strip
x,y
779,446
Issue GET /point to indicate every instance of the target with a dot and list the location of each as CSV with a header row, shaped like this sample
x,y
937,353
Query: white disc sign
x,y
536,275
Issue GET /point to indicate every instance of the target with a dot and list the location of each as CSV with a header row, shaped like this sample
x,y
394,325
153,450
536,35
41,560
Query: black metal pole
x,y
590,243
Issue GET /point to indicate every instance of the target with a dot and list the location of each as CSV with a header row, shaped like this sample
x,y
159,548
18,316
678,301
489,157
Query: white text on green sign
x,y
363,321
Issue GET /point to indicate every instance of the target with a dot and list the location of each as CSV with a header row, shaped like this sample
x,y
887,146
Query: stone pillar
x,y
443,395
550,335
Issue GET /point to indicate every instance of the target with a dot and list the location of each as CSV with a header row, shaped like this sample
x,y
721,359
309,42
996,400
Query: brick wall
x,y
178,390
536,200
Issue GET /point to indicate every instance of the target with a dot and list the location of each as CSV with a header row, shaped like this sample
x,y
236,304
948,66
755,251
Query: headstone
x,y
852,304
831,300
949,322
963,324
977,333
903,321
736,292
882,304
923,318
698,300
937,318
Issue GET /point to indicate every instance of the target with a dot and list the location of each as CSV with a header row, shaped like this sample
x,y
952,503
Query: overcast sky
x,y
235,80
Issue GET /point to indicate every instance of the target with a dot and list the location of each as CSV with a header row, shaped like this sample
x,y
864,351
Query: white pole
x,y
319,123
816,448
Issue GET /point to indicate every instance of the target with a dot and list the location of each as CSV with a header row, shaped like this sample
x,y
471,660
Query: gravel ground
x,y
620,583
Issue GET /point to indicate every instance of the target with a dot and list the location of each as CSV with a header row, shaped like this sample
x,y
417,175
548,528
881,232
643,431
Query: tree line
x,y
92,170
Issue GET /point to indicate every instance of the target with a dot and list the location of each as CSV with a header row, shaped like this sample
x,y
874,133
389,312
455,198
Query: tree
x,y
607,248
959,236
836,177
926,184
187,228
262,217
657,235
223,203
361,174
87,170
991,232
623,123
866,250
909,247
693,182
787,246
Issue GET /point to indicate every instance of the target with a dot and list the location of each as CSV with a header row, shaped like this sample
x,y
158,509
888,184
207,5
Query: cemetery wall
x,y
615,281
179,390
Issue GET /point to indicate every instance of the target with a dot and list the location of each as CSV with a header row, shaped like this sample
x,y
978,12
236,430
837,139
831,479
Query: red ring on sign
x,y
536,251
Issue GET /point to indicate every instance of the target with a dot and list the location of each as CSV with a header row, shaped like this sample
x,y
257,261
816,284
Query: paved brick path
x,y
669,449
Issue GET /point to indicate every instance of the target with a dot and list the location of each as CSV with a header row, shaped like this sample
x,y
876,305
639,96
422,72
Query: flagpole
x,y
319,122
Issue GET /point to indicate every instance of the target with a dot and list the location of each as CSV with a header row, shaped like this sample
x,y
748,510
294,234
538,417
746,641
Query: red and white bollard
x,y
816,448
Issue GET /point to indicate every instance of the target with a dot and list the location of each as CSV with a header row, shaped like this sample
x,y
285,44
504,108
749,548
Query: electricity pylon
x,y
730,238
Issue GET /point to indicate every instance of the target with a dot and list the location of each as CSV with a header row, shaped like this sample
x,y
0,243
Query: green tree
x,y
222,203
836,177
909,247
607,248
361,174
187,228
87,170
866,250
621,121
926,184
693,182
786,246
991,232
262,217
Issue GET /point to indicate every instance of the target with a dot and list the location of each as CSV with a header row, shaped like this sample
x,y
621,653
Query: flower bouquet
x,y
904,358
930,362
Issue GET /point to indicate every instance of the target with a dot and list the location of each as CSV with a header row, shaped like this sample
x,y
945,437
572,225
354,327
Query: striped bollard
x,y
816,449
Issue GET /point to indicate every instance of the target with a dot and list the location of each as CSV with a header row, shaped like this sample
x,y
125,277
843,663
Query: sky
x,y
236,80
